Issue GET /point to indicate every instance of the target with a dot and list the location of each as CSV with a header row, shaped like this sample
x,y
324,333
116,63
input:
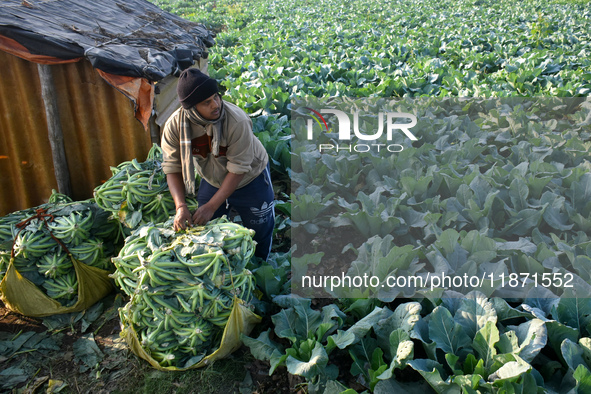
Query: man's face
x,y
210,108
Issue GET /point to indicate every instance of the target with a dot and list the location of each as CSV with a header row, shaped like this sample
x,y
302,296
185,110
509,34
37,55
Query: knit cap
x,y
194,87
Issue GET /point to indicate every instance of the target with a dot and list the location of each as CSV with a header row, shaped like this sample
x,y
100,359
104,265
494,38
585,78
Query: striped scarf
x,y
212,127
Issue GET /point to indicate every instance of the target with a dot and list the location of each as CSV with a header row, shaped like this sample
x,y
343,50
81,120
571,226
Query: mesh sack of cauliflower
x,y
56,258
188,292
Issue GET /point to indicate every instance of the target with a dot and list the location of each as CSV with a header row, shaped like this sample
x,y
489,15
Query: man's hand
x,y
203,214
182,219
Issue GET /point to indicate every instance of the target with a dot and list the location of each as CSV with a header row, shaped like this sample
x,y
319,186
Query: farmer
x,y
215,138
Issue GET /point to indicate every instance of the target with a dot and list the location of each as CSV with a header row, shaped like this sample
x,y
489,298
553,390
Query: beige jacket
x,y
240,150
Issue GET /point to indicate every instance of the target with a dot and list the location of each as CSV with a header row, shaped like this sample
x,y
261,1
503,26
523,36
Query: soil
x,y
261,382
122,372
55,366
13,322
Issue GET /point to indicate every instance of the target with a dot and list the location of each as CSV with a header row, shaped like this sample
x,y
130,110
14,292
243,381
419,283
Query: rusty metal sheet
x,y
98,124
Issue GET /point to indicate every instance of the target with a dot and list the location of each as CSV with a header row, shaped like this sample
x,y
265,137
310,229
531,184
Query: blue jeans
x,y
254,203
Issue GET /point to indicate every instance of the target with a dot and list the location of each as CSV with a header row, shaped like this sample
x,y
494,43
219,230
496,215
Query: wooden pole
x,y
154,131
54,130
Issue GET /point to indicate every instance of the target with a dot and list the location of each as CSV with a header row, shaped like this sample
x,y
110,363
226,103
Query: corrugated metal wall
x,y
98,123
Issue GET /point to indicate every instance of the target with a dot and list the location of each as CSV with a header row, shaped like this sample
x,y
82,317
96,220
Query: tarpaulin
x,y
139,90
134,38
131,44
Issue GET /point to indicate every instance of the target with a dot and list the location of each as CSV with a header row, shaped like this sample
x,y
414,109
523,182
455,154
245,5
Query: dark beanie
x,y
194,87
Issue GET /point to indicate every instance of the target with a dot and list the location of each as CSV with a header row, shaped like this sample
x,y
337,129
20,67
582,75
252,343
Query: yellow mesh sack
x,y
241,321
22,296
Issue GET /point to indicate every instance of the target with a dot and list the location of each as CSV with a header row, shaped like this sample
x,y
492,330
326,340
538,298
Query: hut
x,y
85,85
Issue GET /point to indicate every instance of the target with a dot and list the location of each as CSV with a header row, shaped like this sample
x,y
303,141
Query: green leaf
x,y
525,385
421,332
537,184
413,218
553,215
44,341
572,354
277,360
377,367
510,371
377,215
87,351
524,245
270,279
469,383
332,319
474,312
446,333
262,348
450,263
532,336
299,265
309,206
452,362
581,192
522,223
298,321
379,257
432,372
518,192
484,342
132,218
574,312
362,307
336,387
362,353
480,248
448,240
404,318
558,332
583,378
402,349
13,376
540,305
508,343
91,315
341,339
472,366
55,322
481,189
286,325
393,386
357,330
13,343
585,344
309,368
505,311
